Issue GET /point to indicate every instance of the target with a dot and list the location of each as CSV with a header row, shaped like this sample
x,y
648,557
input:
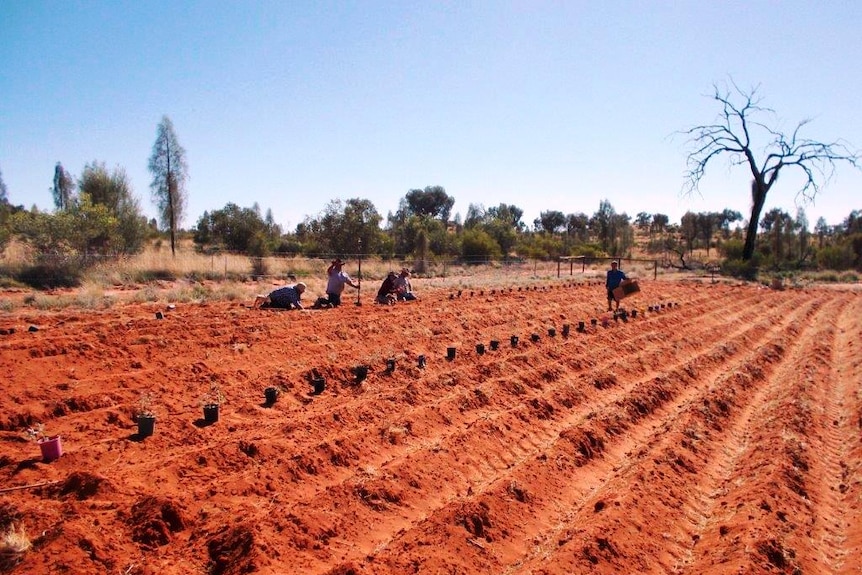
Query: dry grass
x,y
155,276
14,543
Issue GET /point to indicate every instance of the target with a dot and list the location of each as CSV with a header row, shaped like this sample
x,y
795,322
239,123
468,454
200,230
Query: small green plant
x,y
214,396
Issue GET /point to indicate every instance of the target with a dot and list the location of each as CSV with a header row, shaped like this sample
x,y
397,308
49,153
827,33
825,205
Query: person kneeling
x,y
386,293
287,297
403,287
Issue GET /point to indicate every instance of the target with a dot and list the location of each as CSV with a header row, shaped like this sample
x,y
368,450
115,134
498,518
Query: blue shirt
x,y
285,297
615,277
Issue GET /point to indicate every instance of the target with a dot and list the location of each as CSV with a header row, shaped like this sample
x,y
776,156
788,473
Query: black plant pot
x,y
594,321
450,353
534,338
270,394
634,313
421,361
146,425
494,344
361,372
480,348
552,332
514,341
319,385
390,365
582,327
211,413
566,329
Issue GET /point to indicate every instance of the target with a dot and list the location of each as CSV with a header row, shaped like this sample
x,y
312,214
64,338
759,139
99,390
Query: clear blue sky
x,y
545,105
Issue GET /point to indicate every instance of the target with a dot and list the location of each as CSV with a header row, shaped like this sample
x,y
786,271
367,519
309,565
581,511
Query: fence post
x,y
655,269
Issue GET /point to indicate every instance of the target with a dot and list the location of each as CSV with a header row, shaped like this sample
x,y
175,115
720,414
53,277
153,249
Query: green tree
x,y
64,188
852,224
113,191
823,231
236,229
339,227
642,220
658,224
578,227
502,223
801,225
508,214
707,224
477,246
433,202
774,224
422,215
765,151
170,172
550,221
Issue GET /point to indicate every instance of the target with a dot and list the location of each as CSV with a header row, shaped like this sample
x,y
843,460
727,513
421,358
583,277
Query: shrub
x,y
835,258
732,249
741,269
478,245
49,273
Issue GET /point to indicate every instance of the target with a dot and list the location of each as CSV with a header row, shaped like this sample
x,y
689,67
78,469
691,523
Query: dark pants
x,y
334,299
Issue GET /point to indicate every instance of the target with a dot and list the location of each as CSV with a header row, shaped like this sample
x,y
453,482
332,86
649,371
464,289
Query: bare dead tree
x,y
737,133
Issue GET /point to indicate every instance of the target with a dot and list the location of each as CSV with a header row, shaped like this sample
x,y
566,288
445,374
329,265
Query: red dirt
x,y
717,435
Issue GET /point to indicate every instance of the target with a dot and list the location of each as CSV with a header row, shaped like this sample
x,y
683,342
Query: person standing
x,y
614,279
336,280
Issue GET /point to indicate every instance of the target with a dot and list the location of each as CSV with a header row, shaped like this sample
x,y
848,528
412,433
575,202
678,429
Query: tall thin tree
x,y
64,188
170,172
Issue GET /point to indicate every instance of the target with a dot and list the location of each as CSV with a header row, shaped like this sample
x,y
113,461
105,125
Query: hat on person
x,y
337,262
300,287
405,271
615,263
392,274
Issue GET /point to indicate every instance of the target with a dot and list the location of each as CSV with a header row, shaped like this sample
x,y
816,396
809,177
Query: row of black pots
x,y
146,423
504,290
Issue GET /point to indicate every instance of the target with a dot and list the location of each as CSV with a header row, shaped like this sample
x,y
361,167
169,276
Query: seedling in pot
x,y
145,416
211,401
50,446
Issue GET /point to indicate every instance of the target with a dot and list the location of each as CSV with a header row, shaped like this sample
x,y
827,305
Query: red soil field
x,y
717,434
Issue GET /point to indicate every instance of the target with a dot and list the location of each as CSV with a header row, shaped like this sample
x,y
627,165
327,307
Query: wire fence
x,y
154,265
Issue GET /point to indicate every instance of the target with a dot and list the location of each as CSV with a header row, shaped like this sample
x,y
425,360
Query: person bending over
x,y
287,297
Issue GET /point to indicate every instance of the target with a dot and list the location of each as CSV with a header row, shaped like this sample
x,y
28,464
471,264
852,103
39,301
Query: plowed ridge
x,y
718,433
